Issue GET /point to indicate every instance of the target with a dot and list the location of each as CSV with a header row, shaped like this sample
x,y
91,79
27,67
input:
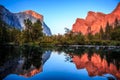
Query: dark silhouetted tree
x,y
108,30
37,30
28,32
101,33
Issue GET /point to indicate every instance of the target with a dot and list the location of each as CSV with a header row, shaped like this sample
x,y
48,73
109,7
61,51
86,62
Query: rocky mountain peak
x,y
34,14
91,13
116,11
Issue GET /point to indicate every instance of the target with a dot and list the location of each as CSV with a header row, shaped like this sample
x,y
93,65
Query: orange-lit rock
x,y
81,60
32,72
113,68
34,14
95,65
80,26
104,65
95,20
117,10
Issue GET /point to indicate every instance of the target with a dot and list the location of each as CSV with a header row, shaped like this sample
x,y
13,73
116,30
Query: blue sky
x,y
59,14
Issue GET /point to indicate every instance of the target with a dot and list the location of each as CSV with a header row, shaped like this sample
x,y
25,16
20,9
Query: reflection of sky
x,y
57,69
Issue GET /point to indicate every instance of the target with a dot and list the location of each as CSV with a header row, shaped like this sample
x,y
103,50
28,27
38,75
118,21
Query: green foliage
x,y
28,30
108,30
116,23
90,37
115,34
28,24
4,32
14,35
25,36
79,38
102,36
37,30
32,32
67,30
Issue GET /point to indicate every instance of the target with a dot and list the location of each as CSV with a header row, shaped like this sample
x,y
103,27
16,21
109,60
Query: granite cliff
x,y
17,19
95,20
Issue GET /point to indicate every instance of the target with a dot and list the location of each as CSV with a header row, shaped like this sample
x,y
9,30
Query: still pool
x,y
68,64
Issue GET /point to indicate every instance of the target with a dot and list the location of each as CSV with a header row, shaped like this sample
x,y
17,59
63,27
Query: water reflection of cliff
x,y
95,65
36,69
25,61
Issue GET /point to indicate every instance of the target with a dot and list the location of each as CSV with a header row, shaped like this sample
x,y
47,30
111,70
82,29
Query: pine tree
x,y
37,30
108,30
116,23
101,33
4,32
89,33
28,27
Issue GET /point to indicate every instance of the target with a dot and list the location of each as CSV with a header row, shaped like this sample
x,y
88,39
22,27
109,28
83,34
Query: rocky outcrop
x,y
17,19
95,20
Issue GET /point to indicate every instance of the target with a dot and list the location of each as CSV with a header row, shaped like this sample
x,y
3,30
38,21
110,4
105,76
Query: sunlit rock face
x,y
17,19
34,14
95,20
95,65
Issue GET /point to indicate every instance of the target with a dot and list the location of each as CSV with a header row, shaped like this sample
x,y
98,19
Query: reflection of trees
x,y
112,56
97,62
34,60
33,57
68,58
22,60
9,55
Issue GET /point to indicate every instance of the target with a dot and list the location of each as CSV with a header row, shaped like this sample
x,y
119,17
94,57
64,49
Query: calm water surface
x,y
36,63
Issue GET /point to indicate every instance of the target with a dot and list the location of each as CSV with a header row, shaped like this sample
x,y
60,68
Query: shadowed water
x,y
59,63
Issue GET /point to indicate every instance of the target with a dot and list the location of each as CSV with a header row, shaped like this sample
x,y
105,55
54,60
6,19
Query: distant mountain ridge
x,y
17,19
95,20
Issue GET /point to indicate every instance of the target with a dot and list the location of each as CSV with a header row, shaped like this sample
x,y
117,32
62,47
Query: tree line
x,y
33,34
108,36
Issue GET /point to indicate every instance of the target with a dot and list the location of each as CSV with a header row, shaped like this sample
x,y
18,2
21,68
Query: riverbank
x,y
108,44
